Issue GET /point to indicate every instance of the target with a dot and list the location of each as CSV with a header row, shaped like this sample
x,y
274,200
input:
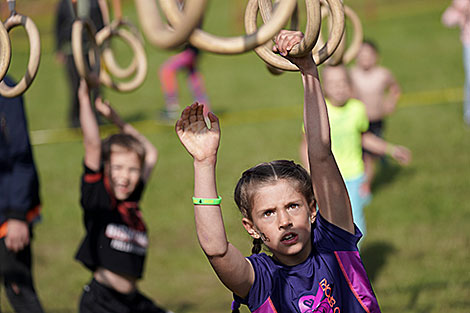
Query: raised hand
x,y
285,40
103,107
200,141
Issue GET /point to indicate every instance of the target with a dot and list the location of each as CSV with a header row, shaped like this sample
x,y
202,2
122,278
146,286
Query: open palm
x,y
200,141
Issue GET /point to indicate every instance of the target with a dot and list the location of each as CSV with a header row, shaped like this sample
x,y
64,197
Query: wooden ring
x,y
5,51
107,54
312,28
162,35
358,35
320,56
85,69
342,54
237,44
34,55
139,55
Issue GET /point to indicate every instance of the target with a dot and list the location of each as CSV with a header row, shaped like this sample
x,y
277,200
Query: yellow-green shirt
x,y
347,123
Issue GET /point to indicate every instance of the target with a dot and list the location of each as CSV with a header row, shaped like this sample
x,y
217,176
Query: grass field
x,y
417,251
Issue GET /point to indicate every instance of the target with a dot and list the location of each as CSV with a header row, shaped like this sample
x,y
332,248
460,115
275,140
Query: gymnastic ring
x,y
294,25
312,28
342,54
85,69
5,51
107,54
34,55
162,35
237,44
139,55
281,63
358,35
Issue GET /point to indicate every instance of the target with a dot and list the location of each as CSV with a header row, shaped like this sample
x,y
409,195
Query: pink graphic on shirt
x,y
315,304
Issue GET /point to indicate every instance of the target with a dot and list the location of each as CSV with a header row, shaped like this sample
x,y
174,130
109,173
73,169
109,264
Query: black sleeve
x,y
93,191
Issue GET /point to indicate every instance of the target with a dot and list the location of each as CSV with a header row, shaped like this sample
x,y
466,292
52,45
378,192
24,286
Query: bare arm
x,y
202,143
394,93
328,184
377,145
151,153
90,129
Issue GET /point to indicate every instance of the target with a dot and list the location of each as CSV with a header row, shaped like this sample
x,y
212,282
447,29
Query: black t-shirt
x,y
116,237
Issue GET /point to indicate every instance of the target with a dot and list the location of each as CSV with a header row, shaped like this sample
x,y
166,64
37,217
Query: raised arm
x,y
202,144
151,153
328,184
90,129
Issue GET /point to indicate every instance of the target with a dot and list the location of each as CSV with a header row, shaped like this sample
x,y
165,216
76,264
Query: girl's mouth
x,y
289,238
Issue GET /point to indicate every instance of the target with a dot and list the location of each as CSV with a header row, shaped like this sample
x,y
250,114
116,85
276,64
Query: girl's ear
x,y
250,228
313,211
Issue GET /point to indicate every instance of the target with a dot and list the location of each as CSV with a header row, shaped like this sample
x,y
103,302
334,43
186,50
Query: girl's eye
x,y
134,170
293,206
268,213
115,167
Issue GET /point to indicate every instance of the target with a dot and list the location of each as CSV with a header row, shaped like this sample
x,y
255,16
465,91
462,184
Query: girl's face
x,y
124,170
282,217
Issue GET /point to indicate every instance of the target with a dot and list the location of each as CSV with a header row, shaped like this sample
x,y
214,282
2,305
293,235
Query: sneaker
x,y
170,115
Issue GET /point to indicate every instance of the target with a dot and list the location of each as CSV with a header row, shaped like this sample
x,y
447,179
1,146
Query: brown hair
x,y
125,141
266,173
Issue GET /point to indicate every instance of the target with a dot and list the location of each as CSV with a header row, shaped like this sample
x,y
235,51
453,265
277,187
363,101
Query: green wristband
x,y
205,201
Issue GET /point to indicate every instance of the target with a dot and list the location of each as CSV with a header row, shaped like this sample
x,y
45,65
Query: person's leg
x,y
97,298
73,81
357,204
466,100
18,280
142,304
168,80
196,84
369,171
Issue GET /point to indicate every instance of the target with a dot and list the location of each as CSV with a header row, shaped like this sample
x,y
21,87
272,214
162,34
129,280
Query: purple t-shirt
x,y
331,280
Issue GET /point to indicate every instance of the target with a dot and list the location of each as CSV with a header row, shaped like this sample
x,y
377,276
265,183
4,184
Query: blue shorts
x,y
358,201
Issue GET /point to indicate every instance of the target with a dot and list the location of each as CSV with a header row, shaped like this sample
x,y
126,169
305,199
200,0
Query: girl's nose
x,y
284,219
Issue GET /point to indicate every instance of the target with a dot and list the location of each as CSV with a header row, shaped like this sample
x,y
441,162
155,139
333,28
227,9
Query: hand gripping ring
x,y
5,51
139,54
274,60
162,35
233,45
85,69
107,54
312,28
34,55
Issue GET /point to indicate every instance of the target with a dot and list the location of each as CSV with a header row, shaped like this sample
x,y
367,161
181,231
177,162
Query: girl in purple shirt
x,y
315,265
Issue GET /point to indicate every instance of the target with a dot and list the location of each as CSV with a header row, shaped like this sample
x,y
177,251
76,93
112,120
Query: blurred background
x,y
417,251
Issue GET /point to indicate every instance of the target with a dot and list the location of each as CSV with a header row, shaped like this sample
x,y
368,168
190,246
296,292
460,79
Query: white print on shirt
x,y
127,240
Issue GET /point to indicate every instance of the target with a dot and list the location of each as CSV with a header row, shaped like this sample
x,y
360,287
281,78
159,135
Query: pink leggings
x,y
184,60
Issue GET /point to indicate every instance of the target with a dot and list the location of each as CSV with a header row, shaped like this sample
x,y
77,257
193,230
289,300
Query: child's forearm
x,y
317,127
374,144
209,223
90,128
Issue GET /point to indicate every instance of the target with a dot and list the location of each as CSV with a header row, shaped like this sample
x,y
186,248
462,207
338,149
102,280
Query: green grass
x,y
417,251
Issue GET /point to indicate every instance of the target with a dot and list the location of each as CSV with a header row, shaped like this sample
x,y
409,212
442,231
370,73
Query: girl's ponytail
x,y
257,246
235,306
